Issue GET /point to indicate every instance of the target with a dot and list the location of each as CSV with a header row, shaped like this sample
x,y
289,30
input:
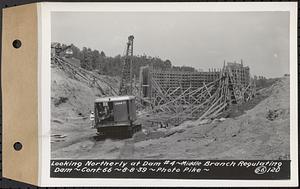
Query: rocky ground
x,y
257,130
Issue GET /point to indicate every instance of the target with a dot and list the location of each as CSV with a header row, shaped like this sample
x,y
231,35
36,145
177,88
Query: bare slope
x,y
74,97
71,101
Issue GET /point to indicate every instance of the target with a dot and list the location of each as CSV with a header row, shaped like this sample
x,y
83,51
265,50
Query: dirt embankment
x,y
71,102
75,97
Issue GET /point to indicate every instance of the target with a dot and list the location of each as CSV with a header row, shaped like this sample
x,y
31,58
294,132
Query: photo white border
x,y
44,20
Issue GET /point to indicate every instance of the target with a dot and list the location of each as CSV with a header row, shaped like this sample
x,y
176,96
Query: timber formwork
x,y
201,95
239,72
183,80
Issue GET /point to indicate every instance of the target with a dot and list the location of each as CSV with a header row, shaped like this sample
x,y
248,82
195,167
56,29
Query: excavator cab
x,y
115,115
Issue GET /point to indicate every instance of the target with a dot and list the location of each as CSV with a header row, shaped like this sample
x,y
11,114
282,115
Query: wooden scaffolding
x,y
169,96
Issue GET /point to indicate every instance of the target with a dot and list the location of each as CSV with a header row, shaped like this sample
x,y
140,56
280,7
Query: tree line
x,y
95,60
263,82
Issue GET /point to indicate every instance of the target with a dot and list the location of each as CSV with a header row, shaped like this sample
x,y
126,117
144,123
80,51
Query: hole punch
x,y
17,43
18,146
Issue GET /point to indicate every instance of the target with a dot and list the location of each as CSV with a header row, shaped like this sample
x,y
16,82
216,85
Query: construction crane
x,y
117,115
127,75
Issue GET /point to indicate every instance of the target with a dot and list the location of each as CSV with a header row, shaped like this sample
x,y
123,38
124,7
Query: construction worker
x,y
92,118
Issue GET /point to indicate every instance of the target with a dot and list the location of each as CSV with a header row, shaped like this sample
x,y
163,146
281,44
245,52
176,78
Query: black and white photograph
x,y
170,85
155,94
169,94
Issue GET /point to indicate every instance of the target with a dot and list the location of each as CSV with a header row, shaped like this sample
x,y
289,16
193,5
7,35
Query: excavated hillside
x,y
75,97
72,99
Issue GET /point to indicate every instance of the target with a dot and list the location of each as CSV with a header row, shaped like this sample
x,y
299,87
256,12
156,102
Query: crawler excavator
x,y
117,115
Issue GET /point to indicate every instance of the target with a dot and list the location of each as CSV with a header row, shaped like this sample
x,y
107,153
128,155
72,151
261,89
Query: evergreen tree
x,y
94,60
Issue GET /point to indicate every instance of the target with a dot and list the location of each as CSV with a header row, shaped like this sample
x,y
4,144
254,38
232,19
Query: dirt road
x,y
77,140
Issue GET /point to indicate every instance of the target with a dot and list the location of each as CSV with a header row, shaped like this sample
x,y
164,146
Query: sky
x,y
199,39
